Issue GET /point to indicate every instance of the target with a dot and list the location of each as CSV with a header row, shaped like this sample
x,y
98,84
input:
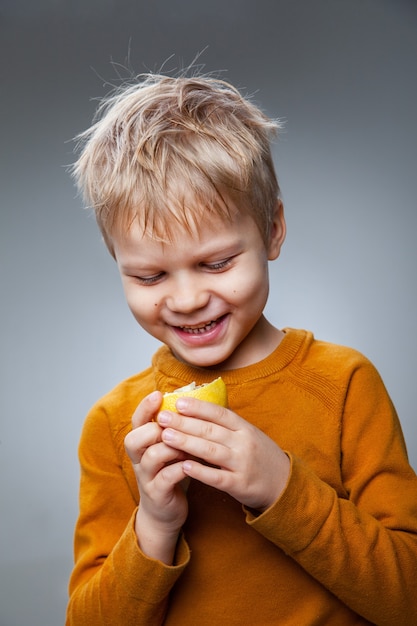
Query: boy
x,y
296,505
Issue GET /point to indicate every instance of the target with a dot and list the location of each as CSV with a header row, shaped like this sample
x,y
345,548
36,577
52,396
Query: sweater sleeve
x,y
113,582
361,543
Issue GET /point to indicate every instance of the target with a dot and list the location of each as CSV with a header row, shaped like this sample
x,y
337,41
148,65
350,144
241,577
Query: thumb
x,y
147,409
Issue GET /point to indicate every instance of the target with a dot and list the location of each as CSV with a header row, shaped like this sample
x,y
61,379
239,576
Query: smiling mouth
x,y
203,328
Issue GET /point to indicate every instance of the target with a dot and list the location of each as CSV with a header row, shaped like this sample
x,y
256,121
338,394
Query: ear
x,y
278,232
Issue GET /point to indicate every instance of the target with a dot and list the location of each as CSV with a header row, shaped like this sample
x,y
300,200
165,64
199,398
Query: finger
x,y
209,475
212,452
158,456
208,411
161,467
137,441
193,426
170,475
147,409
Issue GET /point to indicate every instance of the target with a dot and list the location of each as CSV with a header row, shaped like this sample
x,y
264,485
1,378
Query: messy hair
x,y
167,151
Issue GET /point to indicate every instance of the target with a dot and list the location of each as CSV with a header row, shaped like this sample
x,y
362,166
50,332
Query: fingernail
x,y
181,403
186,466
164,418
168,435
154,396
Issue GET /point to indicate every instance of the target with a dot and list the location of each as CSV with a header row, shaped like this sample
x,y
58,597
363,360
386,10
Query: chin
x,y
206,362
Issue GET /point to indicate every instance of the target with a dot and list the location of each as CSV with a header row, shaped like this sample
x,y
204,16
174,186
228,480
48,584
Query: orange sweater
x,y
338,547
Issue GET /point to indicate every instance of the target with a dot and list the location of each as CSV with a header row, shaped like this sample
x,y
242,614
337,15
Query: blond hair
x,y
167,151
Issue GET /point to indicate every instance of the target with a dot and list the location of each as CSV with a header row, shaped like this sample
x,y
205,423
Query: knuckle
x,y
210,450
178,422
219,412
127,440
130,443
152,453
207,430
220,481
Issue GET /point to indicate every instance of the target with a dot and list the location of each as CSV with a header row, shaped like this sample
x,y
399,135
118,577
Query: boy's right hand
x,y
163,506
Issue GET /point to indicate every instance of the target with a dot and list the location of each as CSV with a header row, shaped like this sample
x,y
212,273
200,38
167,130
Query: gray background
x,y
342,73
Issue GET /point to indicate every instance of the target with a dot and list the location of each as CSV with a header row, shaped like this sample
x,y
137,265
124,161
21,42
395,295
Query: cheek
x,y
141,305
251,284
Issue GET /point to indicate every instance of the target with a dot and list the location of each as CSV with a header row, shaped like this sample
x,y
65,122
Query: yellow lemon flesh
x,y
215,392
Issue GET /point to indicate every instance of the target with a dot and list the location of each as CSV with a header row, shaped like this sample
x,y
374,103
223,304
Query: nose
x,y
187,294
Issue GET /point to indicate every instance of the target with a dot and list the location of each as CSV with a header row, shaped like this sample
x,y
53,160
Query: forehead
x,y
213,237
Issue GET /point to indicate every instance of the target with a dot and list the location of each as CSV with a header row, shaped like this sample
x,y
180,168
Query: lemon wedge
x,y
215,392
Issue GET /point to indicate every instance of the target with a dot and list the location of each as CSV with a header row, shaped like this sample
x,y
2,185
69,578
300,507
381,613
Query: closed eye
x,y
149,280
218,266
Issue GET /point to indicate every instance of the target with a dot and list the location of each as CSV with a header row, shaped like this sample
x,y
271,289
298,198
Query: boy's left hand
x,y
243,461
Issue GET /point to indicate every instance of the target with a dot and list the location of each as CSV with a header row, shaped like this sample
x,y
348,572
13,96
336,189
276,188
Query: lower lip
x,y
202,339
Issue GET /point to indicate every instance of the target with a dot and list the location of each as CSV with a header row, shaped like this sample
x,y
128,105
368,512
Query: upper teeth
x,y
200,329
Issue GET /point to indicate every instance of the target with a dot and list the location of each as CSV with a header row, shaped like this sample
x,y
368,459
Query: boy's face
x,y
203,294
